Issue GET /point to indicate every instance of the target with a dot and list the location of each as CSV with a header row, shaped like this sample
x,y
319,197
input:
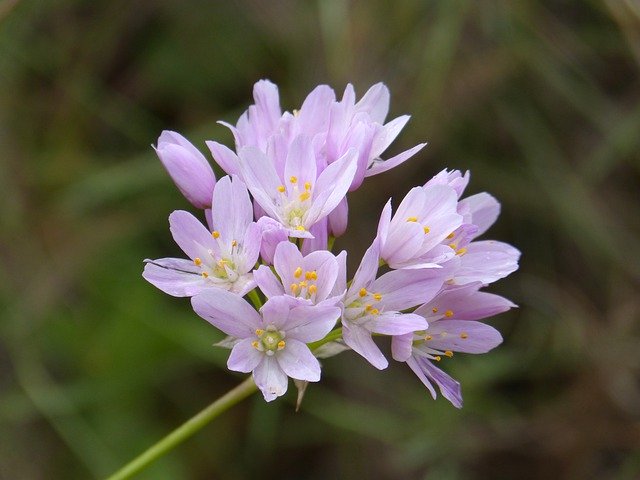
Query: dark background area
x,y
540,100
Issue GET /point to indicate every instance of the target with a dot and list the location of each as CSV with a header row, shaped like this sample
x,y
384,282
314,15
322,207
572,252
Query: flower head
x,y
270,343
222,258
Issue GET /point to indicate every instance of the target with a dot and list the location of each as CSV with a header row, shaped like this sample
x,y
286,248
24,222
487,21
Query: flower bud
x,y
188,168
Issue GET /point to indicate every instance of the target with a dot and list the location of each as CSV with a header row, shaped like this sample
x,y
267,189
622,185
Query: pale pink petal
x,y
191,236
375,102
244,357
232,211
401,347
388,134
338,218
463,336
379,165
483,210
359,339
227,311
224,156
395,323
297,361
268,282
175,276
310,323
270,378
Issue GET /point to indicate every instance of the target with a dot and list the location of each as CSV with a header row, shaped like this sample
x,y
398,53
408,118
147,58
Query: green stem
x,y
255,299
186,430
331,336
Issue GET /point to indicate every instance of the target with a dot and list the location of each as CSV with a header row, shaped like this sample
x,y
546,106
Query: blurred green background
x,y
540,100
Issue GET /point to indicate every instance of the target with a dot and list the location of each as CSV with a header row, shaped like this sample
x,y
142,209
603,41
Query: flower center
x,y
295,201
270,340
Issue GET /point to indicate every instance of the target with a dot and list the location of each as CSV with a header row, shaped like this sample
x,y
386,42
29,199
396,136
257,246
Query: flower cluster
x,y
261,270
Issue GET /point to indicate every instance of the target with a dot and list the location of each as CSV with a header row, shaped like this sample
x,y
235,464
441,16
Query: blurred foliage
x,y
540,100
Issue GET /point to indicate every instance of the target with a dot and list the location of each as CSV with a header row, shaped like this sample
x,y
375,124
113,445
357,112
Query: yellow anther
x,y
297,272
197,261
259,332
312,275
281,344
377,296
363,292
453,246
449,353
307,185
255,344
294,288
205,274
367,307
234,243
448,313
215,234
412,219
437,358
293,179
374,311
304,196
434,309
281,189
451,235
461,251
464,335
428,337
295,112
426,229
303,284
312,289
301,228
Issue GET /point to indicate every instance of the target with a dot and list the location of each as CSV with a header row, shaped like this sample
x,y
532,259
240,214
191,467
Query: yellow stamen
x,y
428,337
434,309
197,261
449,353
234,243
312,275
374,311
451,235
437,358
304,196
294,288
312,289
301,228
215,234
293,179
307,185
205,274
426,229
367,307
377,296
281,344
464,335
297,272
448,313
461,251
255,344
281,189
303,284
453,246
259,332
295,112
363,292
412,219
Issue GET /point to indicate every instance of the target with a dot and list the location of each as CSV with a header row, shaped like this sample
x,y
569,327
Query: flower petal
x,y
224,156
401,347
483,210
463,336
375,102
402,289
310,323
270,378
359,339
244,357
268,282
191,236
297,361
175,276
227,311
394,323
379,165
232,211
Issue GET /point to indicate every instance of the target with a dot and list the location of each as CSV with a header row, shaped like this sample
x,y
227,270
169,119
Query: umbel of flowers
x,y
260,268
